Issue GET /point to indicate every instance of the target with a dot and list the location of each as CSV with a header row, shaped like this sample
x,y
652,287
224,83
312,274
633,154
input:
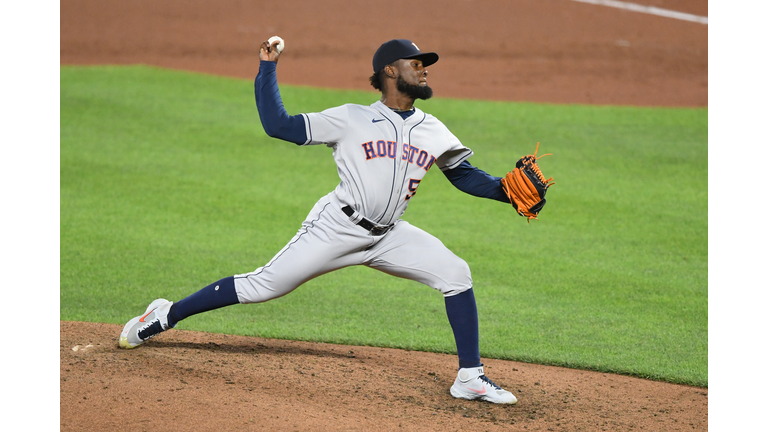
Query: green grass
x,y
169,183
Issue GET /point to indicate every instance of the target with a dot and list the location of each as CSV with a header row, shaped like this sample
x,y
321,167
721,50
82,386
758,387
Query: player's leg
x,y
325,242
412,253
162,314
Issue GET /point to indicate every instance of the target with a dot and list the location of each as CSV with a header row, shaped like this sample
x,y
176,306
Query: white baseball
x,y
280,43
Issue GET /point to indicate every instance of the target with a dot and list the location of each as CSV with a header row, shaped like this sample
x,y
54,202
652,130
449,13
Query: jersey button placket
x,y
401,174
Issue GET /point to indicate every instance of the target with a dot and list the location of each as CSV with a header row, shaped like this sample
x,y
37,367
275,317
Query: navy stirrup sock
x,y
462,314
216,295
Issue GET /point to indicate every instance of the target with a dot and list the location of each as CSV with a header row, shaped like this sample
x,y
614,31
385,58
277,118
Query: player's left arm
x,y
476,182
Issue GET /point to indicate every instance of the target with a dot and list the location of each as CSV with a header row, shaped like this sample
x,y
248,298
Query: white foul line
x,y
648,9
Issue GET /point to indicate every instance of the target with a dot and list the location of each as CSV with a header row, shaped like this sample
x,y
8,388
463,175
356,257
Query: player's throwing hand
x,y
269,51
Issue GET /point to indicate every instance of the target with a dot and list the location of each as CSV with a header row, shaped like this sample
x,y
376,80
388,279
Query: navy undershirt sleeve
x,y
275,120
476,182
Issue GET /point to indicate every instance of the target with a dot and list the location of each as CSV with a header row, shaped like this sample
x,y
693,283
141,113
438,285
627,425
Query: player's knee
x,y
255,287
247,290
457,278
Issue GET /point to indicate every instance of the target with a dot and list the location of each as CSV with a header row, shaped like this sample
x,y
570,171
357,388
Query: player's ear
x,y
389,70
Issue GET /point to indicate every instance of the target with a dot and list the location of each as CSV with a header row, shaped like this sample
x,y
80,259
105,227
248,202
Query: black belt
x,y
366,224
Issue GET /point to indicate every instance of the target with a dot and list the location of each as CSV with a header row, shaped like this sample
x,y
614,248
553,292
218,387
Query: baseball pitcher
x,y
382,152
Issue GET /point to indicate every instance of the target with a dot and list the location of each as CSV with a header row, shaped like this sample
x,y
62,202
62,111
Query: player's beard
x,y
414,91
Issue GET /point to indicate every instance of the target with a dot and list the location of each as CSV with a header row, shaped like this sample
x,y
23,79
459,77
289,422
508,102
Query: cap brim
x,y
427,59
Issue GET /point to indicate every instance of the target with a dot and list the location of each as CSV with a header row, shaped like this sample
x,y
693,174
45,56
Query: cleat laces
x,y
493,384
150,330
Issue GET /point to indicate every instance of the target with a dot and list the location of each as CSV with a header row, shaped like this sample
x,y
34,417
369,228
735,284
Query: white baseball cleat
x,y
471,383
153,322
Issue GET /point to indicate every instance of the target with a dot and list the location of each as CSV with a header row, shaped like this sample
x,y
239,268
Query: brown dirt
x,y
543,51
202,381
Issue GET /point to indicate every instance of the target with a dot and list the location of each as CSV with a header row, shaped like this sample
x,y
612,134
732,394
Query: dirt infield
x,y
556,51
200,381
543,51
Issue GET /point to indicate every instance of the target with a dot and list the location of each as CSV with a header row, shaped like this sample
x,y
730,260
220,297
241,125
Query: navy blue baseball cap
x,y
397,49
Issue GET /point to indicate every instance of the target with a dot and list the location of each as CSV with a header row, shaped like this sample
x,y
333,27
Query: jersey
x,y
381,158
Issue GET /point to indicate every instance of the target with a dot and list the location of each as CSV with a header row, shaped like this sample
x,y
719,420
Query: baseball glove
x,y
525,186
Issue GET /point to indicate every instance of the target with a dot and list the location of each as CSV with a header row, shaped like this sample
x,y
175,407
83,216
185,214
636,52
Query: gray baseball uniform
x,y
381,158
